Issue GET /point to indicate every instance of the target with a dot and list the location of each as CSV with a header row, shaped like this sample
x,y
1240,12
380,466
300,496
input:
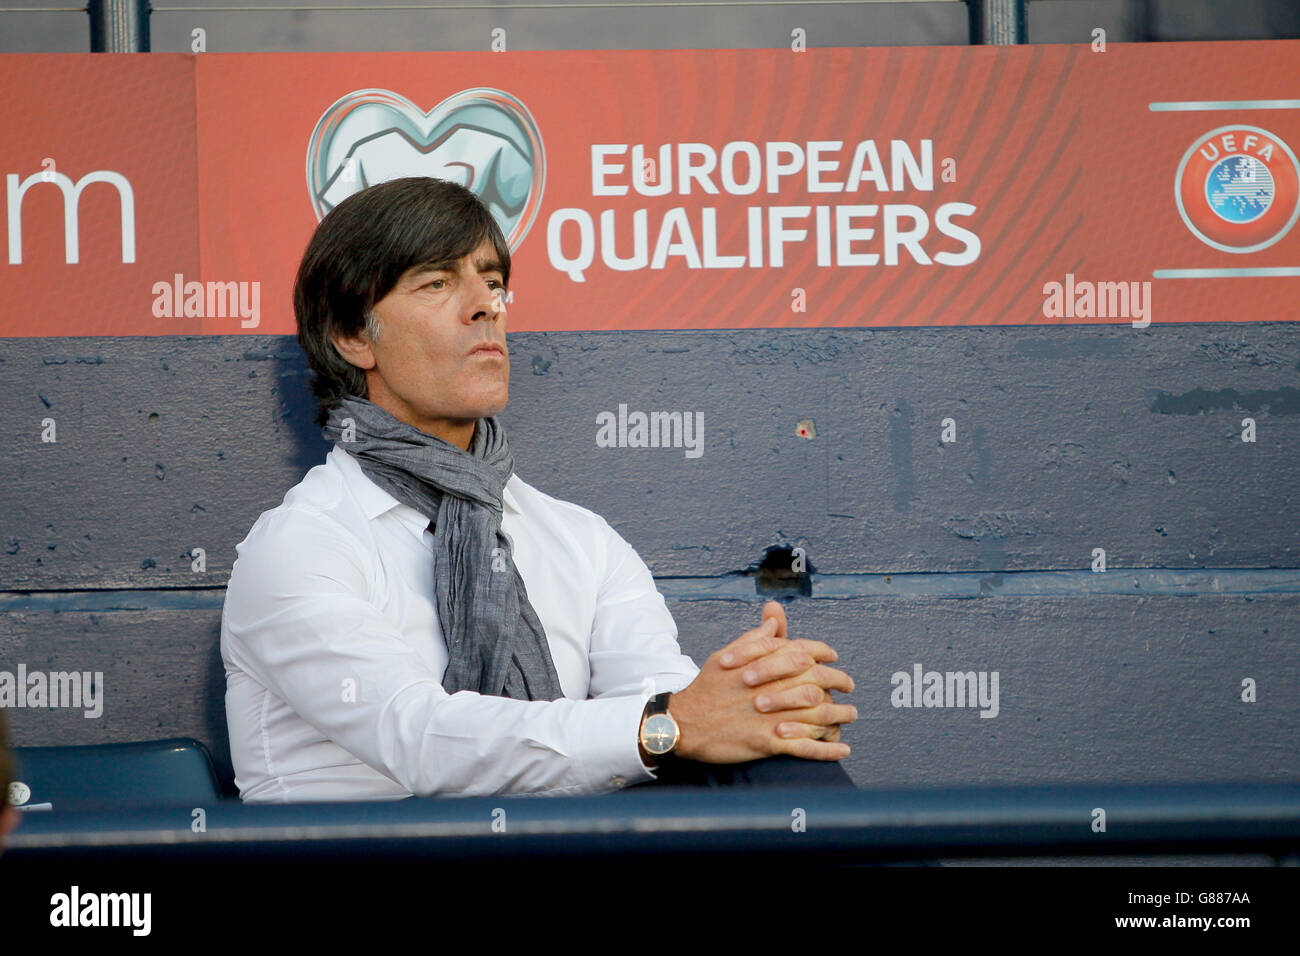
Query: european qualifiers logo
x,y
901,231
1238,188
486,140
483,138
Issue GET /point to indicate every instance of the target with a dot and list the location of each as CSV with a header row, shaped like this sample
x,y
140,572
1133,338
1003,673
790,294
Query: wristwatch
x,y
659,732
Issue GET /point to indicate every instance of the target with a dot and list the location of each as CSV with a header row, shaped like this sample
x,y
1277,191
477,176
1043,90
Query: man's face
x,y
423,368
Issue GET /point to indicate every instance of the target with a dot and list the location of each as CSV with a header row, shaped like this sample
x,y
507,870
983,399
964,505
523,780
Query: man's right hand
x,y
721,722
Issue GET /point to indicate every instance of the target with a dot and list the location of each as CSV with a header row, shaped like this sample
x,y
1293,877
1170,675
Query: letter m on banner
x,y
15,191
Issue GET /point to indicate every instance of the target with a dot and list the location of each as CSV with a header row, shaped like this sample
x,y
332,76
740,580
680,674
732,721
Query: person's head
x,y
8,815
397,286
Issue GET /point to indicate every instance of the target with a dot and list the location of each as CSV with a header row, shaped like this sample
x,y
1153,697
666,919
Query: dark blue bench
x,y
153,773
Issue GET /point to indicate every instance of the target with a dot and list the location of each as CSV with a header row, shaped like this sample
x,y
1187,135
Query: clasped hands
x,y
764,694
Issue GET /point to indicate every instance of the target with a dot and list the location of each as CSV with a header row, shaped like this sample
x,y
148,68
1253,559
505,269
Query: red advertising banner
x,y
930,186
100,172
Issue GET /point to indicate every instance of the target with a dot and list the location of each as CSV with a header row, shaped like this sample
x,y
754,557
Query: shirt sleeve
x,y
634,647
298,620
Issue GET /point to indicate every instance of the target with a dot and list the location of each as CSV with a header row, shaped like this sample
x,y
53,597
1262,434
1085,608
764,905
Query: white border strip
x,y
1181,106
1225,273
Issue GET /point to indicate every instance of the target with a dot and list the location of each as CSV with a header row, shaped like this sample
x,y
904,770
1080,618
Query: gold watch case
x,y
659,734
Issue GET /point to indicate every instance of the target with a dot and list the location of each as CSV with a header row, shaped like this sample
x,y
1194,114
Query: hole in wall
x,y
784,572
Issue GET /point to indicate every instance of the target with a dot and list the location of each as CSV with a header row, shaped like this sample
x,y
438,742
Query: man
x,y
415,619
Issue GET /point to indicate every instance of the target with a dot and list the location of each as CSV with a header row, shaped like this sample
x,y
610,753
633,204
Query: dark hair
x,y
358,253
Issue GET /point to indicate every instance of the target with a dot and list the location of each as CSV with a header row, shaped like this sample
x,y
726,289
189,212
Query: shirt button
x,y
618,781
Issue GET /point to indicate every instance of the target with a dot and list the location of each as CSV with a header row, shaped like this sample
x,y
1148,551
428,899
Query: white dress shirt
x,y
334,655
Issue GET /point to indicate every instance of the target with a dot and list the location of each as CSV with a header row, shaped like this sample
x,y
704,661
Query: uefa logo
x,y
482,138
1238,188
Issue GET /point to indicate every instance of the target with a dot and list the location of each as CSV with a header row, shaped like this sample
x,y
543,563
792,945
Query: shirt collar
x,y
375,500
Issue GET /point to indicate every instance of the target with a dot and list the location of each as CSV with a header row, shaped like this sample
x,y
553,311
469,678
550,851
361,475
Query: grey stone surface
x,y
1068,439
1123,690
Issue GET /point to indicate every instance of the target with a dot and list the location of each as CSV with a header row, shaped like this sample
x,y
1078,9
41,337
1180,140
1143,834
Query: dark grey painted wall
x,y
973,555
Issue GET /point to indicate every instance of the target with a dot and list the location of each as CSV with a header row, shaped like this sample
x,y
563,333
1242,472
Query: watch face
x,y
659,734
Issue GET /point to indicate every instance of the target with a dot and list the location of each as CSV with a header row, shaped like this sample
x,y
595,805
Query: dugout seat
x,y
150,773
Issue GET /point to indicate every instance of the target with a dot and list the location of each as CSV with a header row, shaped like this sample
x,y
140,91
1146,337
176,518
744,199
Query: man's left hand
x,y
788,693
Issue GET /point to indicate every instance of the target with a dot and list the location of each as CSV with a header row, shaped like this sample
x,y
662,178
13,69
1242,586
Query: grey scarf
x,y
495,641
